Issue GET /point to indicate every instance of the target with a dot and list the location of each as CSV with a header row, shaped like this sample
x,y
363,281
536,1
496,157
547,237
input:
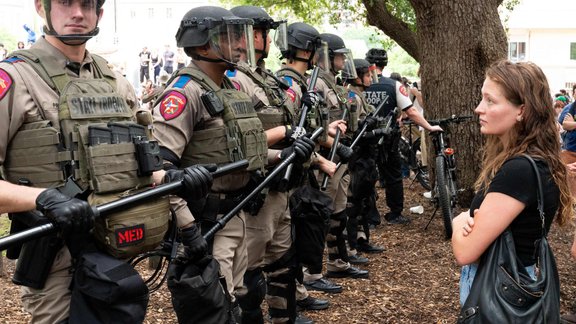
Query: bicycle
x,y
445,192
408,150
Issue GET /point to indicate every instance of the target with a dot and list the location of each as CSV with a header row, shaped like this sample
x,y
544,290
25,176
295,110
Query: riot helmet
x,y
72,39
264,22
377,56
364,72
301,36
341,59
230,37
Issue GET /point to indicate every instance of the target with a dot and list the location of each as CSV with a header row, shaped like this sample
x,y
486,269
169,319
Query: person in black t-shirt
x,y
515,115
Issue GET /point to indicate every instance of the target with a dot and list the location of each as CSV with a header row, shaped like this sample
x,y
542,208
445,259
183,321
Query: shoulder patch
x,y
351,96
230,73
289,80
403,90
13,59
172,105
181,82
236,85
5,83
291,94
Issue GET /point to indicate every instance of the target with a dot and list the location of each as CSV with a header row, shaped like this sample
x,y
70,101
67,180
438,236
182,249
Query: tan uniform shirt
x,y
358,99
244,83
330,96
175,117
25,97
295,92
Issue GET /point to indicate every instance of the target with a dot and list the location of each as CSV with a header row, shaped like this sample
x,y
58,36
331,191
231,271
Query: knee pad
x,y
281,287
256,285
338,223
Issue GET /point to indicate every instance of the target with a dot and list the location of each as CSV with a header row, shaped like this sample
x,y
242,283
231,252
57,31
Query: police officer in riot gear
x,y
269,238
362,168
194,119
38,105
303,43
389,163
336,98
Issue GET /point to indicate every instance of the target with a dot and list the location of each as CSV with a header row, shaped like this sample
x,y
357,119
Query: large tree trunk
x,y
457,41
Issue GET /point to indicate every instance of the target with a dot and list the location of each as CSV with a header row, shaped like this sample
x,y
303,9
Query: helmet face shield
x,y
343,61
233,41
281,36
373,73
321,58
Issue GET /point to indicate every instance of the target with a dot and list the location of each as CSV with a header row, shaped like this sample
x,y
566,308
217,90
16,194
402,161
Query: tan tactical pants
x,y
230,252
51,304
337,189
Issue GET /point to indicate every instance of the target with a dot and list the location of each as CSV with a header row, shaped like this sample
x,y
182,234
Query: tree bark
x,y
456,42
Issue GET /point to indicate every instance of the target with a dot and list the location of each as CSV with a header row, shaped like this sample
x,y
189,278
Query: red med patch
x,y
403,91
236,85
172,105
291,94
5,83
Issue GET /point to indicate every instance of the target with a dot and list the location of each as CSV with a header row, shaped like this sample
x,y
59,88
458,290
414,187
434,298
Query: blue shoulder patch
x,y
13,59
351,95
230,73
289,80
181,82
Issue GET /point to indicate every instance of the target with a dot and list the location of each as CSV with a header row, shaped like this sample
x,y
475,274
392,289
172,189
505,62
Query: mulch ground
x,y
414,281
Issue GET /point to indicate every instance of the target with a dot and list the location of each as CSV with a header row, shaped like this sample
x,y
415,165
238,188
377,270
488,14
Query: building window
x,y
168,12
517,51
150,12
573,51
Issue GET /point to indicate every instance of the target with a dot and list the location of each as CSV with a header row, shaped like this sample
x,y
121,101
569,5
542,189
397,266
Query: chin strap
x,y
230,66
72,39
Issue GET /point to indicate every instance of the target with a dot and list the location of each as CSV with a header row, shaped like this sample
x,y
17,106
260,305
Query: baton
x,y
303,115
115,206
365,127
279,168
332,153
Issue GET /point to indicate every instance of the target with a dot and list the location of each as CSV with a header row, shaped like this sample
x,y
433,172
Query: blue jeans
x,y
467,278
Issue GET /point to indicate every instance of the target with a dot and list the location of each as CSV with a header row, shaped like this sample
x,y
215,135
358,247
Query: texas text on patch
x,y
172,105
5,83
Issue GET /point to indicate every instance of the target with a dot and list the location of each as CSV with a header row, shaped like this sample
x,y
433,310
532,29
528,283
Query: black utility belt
x,y
222,203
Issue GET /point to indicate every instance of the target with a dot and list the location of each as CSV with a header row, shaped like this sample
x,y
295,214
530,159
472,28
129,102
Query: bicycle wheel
x,y
443,194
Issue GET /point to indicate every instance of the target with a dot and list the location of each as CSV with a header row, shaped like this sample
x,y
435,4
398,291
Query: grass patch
x,y
4,225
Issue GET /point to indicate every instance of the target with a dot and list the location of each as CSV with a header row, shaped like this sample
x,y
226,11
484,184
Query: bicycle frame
x,y
445,191
409,157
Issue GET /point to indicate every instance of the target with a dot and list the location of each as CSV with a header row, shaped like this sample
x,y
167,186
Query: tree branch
x,y
379,16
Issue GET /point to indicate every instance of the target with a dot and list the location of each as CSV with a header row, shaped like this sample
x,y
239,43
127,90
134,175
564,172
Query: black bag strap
x,y
539,194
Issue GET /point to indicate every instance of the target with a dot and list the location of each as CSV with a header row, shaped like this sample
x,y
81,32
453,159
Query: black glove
x,y
311,99
197,181
194,243
294,132
370,121
303,147
344,152
377,133
71,215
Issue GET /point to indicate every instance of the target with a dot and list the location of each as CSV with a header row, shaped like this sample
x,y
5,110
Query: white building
x,y
544,32
129,25
126,27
